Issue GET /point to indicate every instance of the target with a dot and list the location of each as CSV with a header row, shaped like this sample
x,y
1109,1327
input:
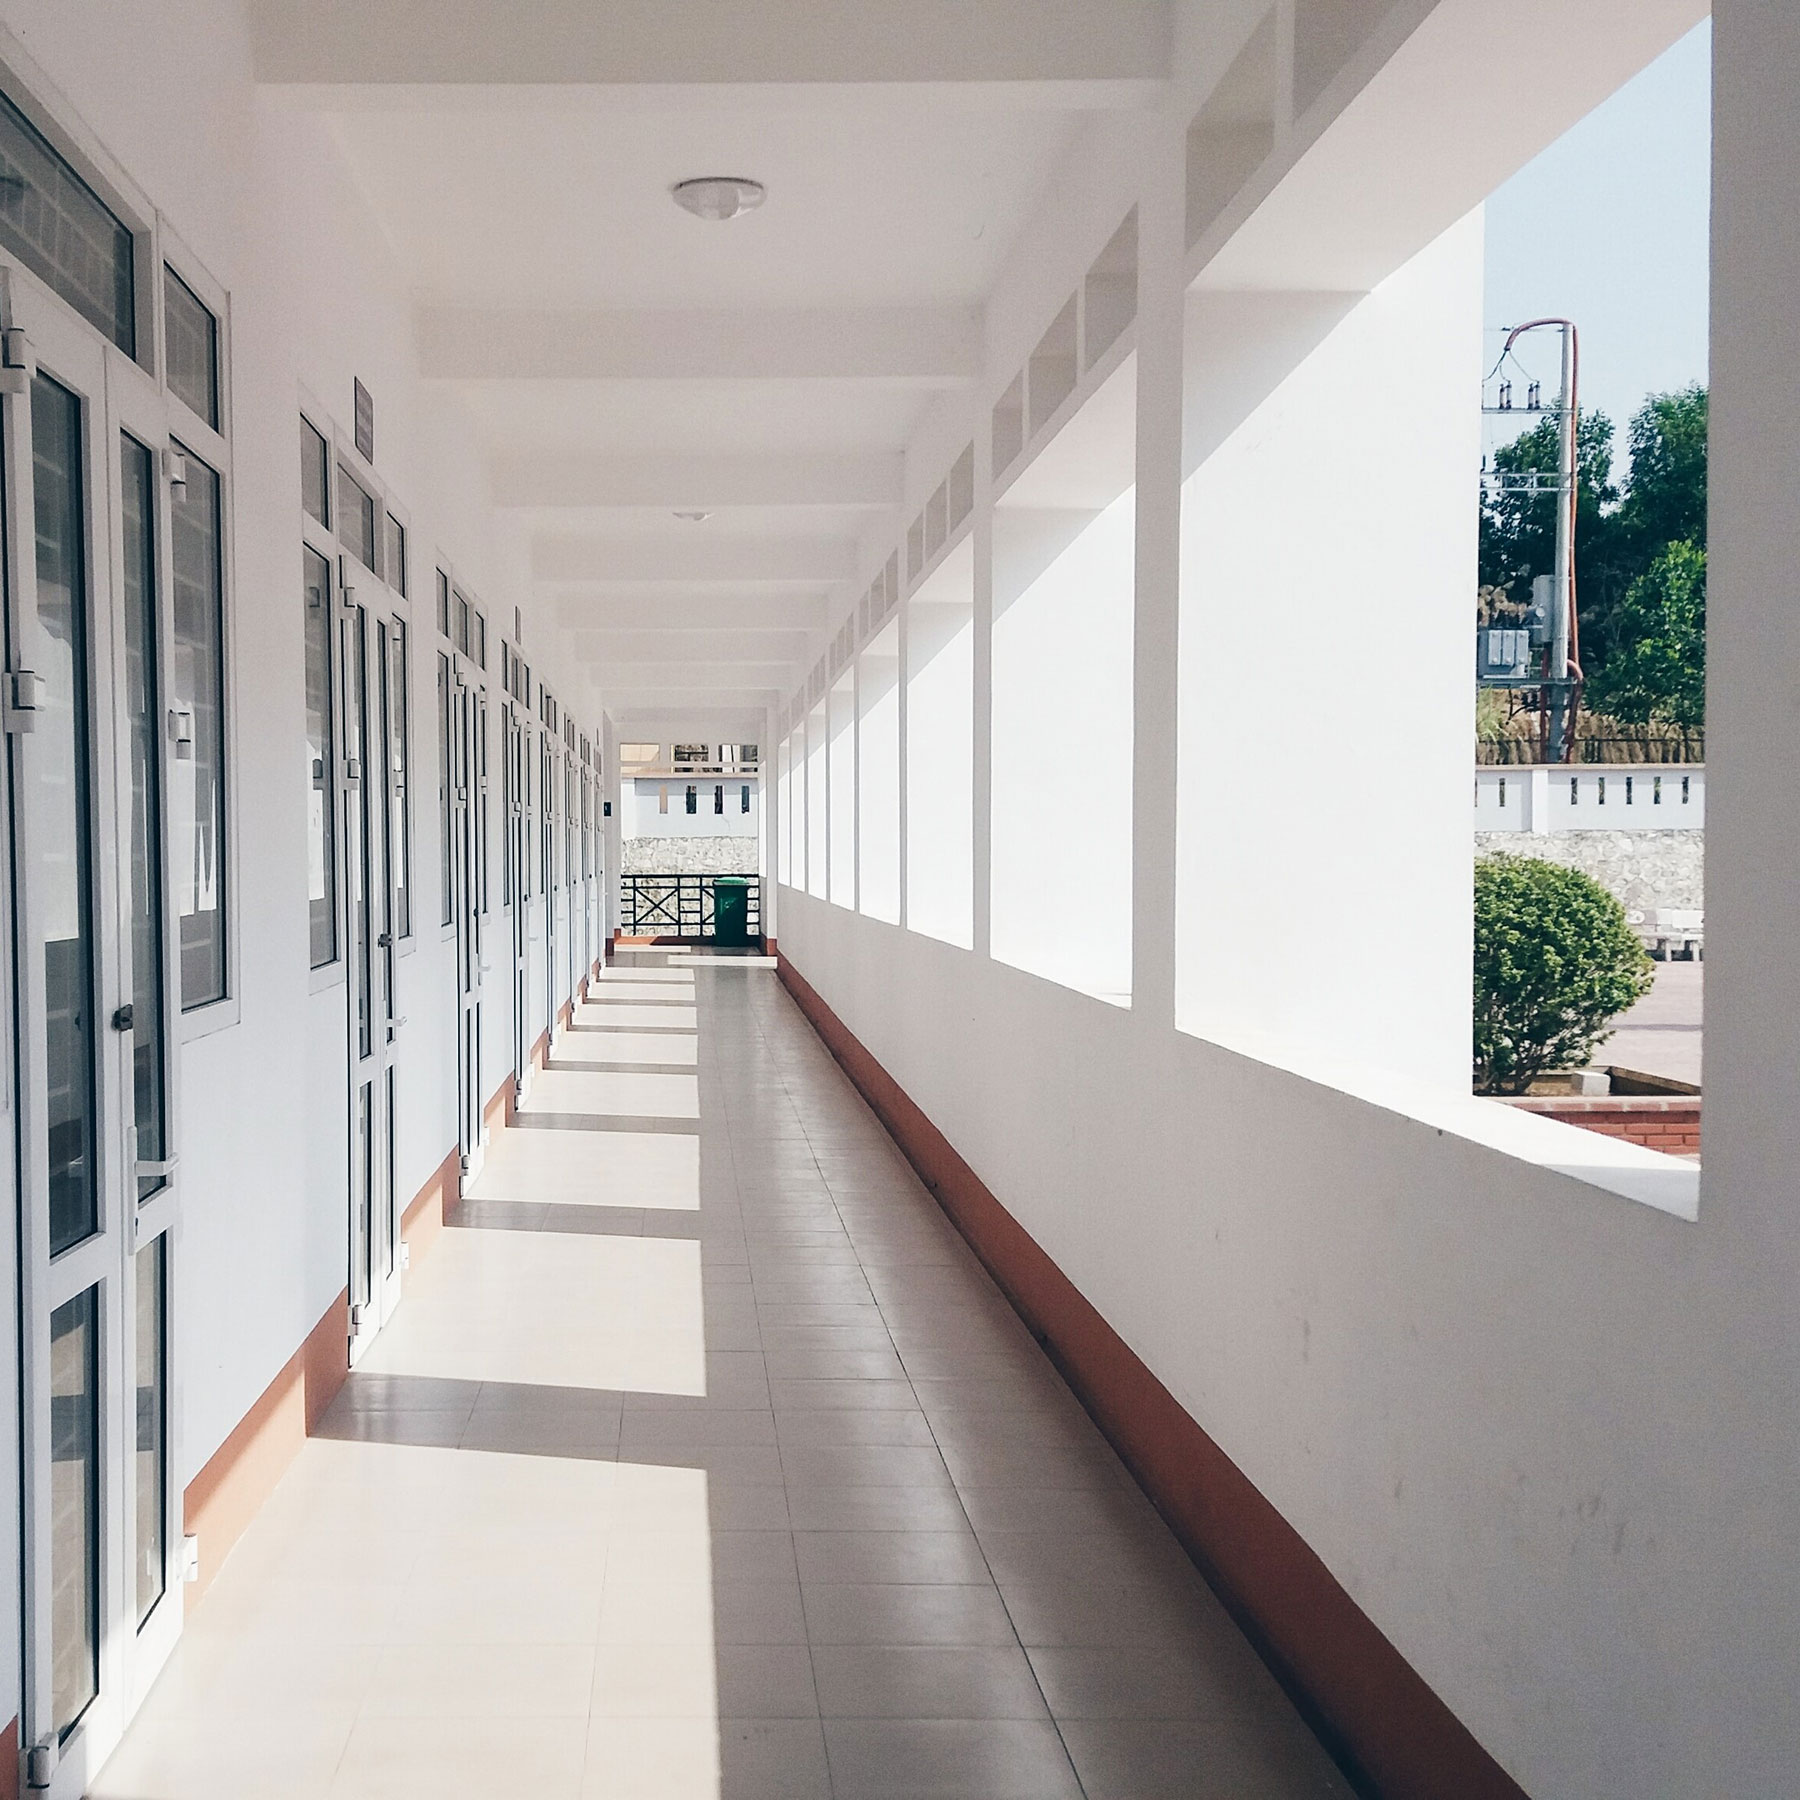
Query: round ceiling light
x,y
718,197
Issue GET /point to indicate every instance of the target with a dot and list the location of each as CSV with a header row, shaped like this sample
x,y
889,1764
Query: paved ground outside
x,y
1661,1034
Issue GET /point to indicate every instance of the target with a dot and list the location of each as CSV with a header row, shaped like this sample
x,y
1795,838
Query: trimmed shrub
x,y
1555,963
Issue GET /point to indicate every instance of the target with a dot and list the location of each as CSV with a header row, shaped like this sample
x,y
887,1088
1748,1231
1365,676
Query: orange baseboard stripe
x,y
424,1218
241,1474
1371,1708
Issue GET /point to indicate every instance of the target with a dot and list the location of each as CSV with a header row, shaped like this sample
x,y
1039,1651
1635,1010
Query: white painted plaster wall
x,y
259,197
1322,540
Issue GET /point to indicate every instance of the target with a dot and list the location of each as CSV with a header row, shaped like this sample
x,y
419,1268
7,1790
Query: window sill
x,y
1668,1184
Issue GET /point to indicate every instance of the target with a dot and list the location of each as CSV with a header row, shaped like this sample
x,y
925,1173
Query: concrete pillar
x,y
1753,626
1162,248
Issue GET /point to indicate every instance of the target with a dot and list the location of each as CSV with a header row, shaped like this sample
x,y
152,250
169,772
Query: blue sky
x,y
1609,227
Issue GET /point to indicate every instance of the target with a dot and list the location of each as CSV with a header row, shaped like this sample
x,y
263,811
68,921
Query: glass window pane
x,y
462,624
63,231
356,518
399,779
395,558
443,591
480,642
315,474
321,775
192,335
145,876
197,782
151,1425
74,1507
361,848
59,813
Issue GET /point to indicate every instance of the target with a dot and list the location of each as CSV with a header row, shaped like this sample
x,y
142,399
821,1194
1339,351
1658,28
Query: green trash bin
x,y
731,912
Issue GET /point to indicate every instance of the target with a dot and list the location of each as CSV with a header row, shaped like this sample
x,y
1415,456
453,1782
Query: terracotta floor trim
x,y
241,1474
1389,1731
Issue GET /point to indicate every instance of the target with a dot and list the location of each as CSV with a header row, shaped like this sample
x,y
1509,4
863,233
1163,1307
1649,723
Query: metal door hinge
x,y
24,699
40,1763
181,732
356,1321
190,1557
352,770
123,1017
15,362
176,470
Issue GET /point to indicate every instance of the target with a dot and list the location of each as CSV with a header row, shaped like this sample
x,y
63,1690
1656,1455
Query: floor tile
x,y
702,1461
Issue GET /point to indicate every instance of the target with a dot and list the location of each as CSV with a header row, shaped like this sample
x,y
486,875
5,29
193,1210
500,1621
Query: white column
x,y
1161,257
1753,631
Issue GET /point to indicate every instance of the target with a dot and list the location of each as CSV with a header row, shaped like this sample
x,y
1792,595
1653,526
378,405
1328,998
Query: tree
x,y
1518,531
1665,498
1657,668
1555,963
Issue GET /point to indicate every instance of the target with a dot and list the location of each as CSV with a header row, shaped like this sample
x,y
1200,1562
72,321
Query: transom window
x,y
193,349
356,518
63,232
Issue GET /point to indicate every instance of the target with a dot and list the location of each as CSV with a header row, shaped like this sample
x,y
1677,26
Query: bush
x,y
1555,963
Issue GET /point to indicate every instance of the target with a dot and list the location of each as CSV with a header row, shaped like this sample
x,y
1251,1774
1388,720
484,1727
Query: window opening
x,y
443,599
693,798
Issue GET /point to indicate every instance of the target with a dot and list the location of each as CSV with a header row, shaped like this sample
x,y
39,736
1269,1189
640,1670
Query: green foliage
x,y
1620,528
1658,669
1555,963
1665,499
1518,531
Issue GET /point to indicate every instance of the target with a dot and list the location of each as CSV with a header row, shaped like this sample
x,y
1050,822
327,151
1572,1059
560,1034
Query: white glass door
x,y
518,852
468,819
366,856
83,472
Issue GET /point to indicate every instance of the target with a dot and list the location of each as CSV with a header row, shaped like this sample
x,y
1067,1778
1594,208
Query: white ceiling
x,y
614,352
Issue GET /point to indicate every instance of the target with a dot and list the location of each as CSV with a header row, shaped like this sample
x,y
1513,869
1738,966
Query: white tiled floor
x,y
702,1462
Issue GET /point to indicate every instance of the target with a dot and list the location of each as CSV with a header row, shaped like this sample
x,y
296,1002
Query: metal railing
x,y
678,906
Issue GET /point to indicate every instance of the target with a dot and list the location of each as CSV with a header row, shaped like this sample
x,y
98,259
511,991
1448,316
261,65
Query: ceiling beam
x,y
786,647
698,483
635,607
908,346
1065,43
611,673
699,558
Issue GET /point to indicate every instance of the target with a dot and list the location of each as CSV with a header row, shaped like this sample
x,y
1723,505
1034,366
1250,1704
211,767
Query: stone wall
x,y
1645,869
689,855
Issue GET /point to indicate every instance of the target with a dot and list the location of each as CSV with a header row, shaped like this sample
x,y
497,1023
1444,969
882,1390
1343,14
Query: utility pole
x,y
1554,627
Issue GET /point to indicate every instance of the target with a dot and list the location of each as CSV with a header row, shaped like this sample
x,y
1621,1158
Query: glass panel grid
x,y
150,1425
145,873
60,814
64,232
315,474
197,680
192,338
321,783
356,518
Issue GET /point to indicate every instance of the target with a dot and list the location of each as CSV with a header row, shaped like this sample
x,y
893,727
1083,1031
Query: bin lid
x,y
735,881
